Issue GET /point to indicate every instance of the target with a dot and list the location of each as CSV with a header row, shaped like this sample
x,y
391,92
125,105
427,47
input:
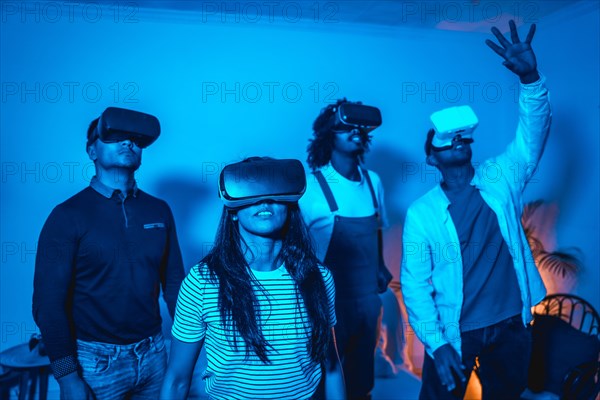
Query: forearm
x,y
174,387
52,296
173,274
178,377
170,292
535,116
423,316
416,281
334,374
334,384
58,340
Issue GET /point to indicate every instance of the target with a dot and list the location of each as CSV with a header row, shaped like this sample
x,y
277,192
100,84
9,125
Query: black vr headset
x,y
118,124
260,178
349,116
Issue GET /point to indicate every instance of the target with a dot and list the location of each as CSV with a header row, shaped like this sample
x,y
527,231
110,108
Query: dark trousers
x,y
356,332
503,349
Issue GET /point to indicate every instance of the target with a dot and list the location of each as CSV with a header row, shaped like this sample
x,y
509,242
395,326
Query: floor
x,y
402,386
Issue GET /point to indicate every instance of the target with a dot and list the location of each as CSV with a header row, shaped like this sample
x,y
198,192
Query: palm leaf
x,y
528,223
527,217
536,246
562,263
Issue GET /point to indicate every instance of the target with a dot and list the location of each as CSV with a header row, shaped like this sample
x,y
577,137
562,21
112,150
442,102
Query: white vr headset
x,y
453,121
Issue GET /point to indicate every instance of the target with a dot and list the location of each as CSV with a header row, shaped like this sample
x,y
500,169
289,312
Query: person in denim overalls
x,y
343,209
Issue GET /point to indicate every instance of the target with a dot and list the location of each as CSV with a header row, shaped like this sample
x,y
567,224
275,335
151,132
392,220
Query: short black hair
x,y
320,146
429,141
91,133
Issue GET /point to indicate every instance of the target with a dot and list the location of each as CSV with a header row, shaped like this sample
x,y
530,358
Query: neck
x,y
117,178
260,252
457,177
346,165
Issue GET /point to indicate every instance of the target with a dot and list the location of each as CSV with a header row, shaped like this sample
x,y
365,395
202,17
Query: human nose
x,y
127,142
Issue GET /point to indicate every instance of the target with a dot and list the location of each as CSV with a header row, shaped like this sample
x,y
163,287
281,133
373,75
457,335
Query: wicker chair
x,y
565,348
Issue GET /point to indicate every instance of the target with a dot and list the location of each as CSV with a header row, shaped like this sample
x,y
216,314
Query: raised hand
x,y
518,56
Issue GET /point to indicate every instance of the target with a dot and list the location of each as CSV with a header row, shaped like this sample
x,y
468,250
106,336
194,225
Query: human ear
x,y
431,160
91,150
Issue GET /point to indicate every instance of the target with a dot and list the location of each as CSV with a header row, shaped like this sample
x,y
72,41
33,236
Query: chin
x,y
131,166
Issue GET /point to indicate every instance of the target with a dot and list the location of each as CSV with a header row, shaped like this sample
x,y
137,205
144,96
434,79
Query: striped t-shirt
x,y
292,374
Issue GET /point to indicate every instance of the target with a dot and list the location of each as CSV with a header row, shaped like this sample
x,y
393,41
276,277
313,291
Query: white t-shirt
x,y
353,199
283,320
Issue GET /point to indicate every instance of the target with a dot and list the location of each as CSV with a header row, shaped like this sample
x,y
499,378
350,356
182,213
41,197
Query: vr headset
x,y
118,124
256,179
453,121
349,116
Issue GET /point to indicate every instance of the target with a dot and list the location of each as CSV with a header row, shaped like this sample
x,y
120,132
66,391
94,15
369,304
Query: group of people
x,y
286,303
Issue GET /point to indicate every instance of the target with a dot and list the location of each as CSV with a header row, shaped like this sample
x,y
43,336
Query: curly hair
x,y
320,146
238,303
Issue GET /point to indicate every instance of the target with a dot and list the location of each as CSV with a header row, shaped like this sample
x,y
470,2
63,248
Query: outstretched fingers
x,y
514,35
501,39
499,50
529,37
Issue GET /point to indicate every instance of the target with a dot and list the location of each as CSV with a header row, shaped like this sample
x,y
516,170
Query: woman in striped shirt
x,y
259,301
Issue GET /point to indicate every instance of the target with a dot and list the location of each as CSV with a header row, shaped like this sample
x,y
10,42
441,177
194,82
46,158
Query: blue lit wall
x,y
225,91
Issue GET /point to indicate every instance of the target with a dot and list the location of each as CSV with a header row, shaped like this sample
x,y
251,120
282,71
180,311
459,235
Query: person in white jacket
x,y
468,276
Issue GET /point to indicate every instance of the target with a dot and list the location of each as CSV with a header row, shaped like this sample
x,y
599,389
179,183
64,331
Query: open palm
x,y
518,56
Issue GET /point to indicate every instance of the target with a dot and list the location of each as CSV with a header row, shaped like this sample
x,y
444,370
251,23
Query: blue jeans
x,y
132,371
503,349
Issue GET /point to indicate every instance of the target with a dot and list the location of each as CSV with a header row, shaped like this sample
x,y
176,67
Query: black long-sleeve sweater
x,y
101,261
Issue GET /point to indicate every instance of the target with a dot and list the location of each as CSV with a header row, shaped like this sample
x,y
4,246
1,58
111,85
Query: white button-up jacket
x,y
432,270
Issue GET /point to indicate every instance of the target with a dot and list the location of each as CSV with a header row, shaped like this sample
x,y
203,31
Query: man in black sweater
x,y
103,257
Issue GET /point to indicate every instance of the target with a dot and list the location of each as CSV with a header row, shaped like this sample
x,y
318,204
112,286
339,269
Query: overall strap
x,y
368,179
326,191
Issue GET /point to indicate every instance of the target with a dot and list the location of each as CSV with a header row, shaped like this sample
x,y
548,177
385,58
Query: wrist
x,y
63,367
530,77
68,379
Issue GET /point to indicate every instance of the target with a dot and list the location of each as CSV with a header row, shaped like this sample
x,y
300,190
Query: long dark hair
x,y
237,300
320,146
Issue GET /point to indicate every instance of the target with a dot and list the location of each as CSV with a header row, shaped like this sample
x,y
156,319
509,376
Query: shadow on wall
x,y
559,268
570,159
387,163
190,198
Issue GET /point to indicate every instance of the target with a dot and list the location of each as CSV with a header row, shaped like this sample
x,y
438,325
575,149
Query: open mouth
x,y
356,139
264,213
